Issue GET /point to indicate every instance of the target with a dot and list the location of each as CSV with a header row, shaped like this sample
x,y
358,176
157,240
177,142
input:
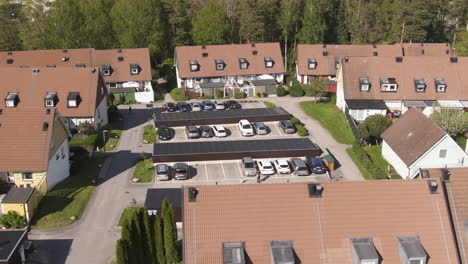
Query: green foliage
x,y
150,134
269,104
313,24
179,22
365,161
10,13
301,130
296,91
251,21
454,121
178,94
158,96
122,251
207,97
144,171
159,240
295,120
170,233
291,81
211,25
12,220
316,88
461,45
85,128
373,127
280,91
239,95
219,93
32,27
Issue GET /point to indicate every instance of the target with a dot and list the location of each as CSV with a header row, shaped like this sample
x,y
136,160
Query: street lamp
x,y
104,135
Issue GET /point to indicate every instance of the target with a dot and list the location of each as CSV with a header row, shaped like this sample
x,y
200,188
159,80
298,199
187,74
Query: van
x,y
299,167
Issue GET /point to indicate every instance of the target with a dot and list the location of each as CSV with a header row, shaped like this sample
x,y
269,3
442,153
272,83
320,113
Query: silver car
x,y
163,172
260,128
182,171
249,167
196,106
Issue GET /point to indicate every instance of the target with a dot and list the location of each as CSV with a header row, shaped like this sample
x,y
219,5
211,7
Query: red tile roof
x,y
320,228
412,135
32,88
89,57
405,72
25,146
230,54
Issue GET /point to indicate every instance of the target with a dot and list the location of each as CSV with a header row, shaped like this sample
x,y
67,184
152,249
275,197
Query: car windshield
x,y
192,129
249,165
206,129
180,168
161,170
261,128
246,126
284,166
267,167
164,130
221,131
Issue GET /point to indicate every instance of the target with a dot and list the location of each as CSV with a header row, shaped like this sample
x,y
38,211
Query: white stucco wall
x,y
59,167
100,118
394,160
361,114
147,95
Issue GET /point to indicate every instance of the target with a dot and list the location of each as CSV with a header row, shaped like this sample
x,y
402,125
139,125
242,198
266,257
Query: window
x,y
28,176
416,261
442,153
50,99
243,63
193,65
388,84
269,62
198,80
312,64
73,99
219,64
440,84
71,103
62,152
364,84
420,85
134,69
11,100
112,85
369,262
106,72
337,63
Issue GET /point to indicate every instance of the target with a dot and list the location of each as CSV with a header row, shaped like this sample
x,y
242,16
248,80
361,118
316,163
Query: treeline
x,y
163,24
148,239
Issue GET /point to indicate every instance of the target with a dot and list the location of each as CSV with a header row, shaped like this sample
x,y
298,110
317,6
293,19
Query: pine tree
x,y
251,21
288,22
136,238
180,23
32,26
414,18
97,25
122,251
9,19
313,24
148,237
159,240
210,26
127,236
170,233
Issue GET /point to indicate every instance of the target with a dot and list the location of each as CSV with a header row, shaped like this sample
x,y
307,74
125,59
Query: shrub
x,y
239,95
295,121
178,94
258,94
291,81
207,97
85,128
264,94
269,104
301,130
113,113
12,220
280,91
365,160
219,93
158,96
296,91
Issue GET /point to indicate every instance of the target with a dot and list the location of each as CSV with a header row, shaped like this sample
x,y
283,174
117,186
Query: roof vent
x,y
325,53
9,61
253,45
65,58
119,51
447,52
45,126
1,111
433,186
422,52
48,111
445,175
120,58
453,59
422,44
375,53
254,52
324,46
424,174
35,70
315,190
80,65
24,66
51,66
192,193
399,59
346,59
65,51
204,54
10,53
203,47
374,46
93,70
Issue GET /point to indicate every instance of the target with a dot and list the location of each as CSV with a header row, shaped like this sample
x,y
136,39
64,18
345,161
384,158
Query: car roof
x,y
219,102
247,159
161,167
180,165
219,126
282,162
195,103
298,161
191,127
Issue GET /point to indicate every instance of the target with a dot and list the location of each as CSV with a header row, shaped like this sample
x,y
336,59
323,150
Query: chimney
x,y
433,186
192,193
65,58
315,190
45,126
399,59
93,70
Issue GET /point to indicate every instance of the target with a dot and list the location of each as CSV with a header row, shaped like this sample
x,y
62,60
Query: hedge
x,y
219,93
295,121
365,160
269,104
239,95
296,91
280,91
301,130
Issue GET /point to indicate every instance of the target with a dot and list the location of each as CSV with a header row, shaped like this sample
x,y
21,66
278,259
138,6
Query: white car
x,y
282,166
219,131
265,167
196,106
246,128
219,105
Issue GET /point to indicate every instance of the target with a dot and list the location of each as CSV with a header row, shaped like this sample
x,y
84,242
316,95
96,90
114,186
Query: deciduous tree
x,y
313,23
211,26
454,121
373,127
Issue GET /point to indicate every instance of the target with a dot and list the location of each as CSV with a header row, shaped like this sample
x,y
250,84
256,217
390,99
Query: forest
x,y
163,24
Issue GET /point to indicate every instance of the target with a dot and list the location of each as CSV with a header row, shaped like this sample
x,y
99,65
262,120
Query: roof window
x,y
325,53
9,61
219,64
135,69
106,69
282,252
375,53
12,100
399,59
420,85
194,66
120,58
65,59
364,251
411,250
269,62
364,84
243,63
233,253
337,63
388,84
315,190
440,84
312,63
204,54
73,99
119,51
50,99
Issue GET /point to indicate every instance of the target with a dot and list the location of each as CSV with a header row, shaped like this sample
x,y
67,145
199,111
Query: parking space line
x,y
224,173
240,171
206,172
279,130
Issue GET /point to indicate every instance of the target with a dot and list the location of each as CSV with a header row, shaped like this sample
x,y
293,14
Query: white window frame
x,y
27,180
193,67
269,64
106,72
10,103
441,88
312,65
10,177
389,87
368,261
244,65
365,87
135,71
219,66
444,151
421,88
421,260
49,102
72,103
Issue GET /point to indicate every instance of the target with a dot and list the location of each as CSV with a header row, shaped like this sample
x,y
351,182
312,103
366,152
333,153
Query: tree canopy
x,y
211,25
454,121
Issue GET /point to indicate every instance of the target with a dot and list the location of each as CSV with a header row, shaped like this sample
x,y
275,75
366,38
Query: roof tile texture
x,y
320,228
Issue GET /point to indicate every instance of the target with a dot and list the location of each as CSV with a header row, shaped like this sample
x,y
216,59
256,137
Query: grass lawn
x,y
126,214
269,104
461,141
144,171
178,94
150,134
114,131
331,118
70,197
89,140
367,175
375,154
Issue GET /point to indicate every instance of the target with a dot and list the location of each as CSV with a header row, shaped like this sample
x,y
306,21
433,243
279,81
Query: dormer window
x,y
441,85
282,251
194,65
388,84
243,63
50,99
73,99
9,61
420,85
364,251
337,63
135,69
219,64
411,250
106,69
12,100
312,64
269,62
364,84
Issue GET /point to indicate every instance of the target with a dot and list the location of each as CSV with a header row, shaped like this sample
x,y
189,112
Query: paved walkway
x,y
93,237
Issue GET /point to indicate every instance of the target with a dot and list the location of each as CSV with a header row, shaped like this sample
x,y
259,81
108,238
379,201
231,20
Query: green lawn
x,y
367,175
269,104
150,134
112,136
331,118
375,154
178,94
70,197
461,141
144,171
127,213
89,140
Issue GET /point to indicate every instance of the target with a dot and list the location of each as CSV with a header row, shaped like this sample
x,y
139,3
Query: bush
x,y
158,96
207,97
280,91
301,130
269,104
239,95
291,81
295,121
264,94
178,94
12,220
365,160
113,113
85,128
296,91
219,93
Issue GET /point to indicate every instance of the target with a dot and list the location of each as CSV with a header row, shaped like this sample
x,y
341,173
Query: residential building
x,y
323,61
35,155
232,68
414,142
358,222
125,71
14,246
375,85
78,93
155,197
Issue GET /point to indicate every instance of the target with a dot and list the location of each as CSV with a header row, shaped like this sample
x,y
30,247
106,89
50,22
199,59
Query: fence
x,y
353,125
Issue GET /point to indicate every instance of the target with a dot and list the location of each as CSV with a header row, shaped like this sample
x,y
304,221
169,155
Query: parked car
x,y
183,107
246,128
282,166
170,107
219,131
206,131
192,132
163,172
181,171
249,167
315,165
299,167
265,167
287,127
260,128
219,105
231,104
208,105
164,132
196,106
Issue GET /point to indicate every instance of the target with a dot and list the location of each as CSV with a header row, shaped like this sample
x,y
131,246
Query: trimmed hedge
x,y
219,93
295,121
269,104
301,130
366,161
239,95
291,81
280,91
296,91
158,96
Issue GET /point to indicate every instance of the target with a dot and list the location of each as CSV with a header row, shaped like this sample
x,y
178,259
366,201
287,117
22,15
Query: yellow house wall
x,y
32,205
39,181
14,207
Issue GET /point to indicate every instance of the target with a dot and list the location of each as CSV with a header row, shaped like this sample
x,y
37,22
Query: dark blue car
x,y
183,107
316,165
